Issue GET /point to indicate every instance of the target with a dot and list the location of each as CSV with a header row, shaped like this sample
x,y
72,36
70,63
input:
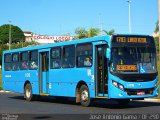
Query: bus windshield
x,y
130,60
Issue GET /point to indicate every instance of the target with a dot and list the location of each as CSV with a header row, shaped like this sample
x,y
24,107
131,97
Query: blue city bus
x,y
120,67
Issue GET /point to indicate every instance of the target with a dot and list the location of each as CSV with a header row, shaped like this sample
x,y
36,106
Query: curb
x,y
4,91
150,100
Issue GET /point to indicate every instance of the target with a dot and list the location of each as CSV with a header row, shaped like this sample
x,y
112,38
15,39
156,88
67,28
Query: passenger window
x,y
55,58
15,59
84,55
33,63
68,56
24,61
7,62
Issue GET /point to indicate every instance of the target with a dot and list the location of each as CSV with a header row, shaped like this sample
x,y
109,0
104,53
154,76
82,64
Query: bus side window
x,y
33,61
84,55
24,61
15,59
68,60
7,62
55,58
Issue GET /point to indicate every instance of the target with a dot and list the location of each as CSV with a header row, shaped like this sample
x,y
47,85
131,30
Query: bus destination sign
x,y
126,67
131,40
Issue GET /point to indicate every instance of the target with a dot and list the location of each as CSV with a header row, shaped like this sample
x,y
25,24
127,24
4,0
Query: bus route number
x,y
27,75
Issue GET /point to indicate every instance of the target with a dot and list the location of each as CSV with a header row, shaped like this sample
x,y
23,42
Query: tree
x,y
23,44
93,32
16,34
83,33
110,32
80,33
156,39
2,48
157,27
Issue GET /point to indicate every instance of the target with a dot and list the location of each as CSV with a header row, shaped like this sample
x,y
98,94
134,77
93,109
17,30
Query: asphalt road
x,y
12,103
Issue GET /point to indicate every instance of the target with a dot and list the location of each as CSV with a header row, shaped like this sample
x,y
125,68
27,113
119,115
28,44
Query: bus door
x,y
43,71
101,71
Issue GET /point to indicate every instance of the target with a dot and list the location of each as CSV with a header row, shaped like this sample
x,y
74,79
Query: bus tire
x,y
85,99
28,92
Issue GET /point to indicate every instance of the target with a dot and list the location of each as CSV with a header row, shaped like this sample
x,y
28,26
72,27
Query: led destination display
x,y
131,40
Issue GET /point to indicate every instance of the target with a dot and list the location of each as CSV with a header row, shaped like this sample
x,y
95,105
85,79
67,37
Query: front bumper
x,y
132,93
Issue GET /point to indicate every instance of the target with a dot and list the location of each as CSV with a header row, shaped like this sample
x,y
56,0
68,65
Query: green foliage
x,y
81,33
157,27
157,43
158,61
158,67
0,79
16,34
2,48
23,44
93,32
110,32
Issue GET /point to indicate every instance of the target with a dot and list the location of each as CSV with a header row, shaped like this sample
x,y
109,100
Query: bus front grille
x,y
139,91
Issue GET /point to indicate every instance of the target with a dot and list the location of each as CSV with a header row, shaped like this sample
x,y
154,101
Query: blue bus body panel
x,y
63,82
14,81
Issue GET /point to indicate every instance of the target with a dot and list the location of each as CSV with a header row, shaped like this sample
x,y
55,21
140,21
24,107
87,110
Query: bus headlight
x,y
115,83
121,87
156,84
118,85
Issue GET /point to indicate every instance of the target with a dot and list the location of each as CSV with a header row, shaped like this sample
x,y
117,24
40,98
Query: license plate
x,y
141,93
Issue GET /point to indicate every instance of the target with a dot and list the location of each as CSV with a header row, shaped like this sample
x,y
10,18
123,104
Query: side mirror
x,y
108,54
108,62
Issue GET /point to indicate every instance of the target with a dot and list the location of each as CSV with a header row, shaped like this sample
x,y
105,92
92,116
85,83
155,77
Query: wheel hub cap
x,y
28,93
84,95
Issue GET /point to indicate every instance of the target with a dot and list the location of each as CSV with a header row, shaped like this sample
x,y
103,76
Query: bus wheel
x,y
28,92
85,96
